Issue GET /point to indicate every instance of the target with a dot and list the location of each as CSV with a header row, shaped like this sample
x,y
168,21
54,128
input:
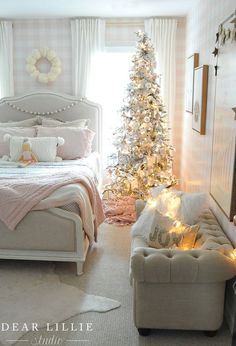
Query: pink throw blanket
x,y
120,211
19,193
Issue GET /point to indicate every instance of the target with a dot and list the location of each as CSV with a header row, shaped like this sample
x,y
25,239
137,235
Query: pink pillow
x,y
78,141
14,131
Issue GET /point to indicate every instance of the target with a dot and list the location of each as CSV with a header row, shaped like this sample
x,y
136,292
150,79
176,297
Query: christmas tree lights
x,y
144,155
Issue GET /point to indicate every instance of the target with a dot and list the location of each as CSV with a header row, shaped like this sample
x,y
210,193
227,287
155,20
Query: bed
x,y
54,234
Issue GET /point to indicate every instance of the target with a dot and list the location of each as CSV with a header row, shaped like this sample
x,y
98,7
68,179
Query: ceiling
x,y
99,8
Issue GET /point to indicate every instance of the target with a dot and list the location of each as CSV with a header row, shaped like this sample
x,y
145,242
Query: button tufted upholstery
x,y
178,289
209,261
211,236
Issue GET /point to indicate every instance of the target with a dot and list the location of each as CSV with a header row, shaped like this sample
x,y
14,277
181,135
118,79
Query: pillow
x,y
78,141
168,234
183,206
21,123
44,148
192,204
149,219
14,131
168,202
74,123
163,235
155,191
189,237
146,222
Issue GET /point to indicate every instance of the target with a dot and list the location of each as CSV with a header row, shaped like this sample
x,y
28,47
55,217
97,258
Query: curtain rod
x,y
109,20
141,21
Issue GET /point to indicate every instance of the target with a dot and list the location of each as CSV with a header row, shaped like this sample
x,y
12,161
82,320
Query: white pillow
x,y
44,148
21,123
192,204
169,203
74,123
147,222
14,131
183,206
155,191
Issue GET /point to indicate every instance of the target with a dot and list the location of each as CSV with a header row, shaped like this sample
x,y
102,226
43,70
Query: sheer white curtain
x,y
88,37
162,33
6,59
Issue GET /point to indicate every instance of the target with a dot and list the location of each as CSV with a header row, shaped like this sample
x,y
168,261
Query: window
x,y
111,76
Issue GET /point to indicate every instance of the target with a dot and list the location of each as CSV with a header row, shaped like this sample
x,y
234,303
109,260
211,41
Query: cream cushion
x,y
183,206
44,148
21,123
73,123
14,131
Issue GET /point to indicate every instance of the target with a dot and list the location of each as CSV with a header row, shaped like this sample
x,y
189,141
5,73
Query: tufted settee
x,y
174,289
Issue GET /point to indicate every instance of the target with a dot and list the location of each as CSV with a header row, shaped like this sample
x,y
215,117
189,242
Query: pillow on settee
x,y
189,236
169,233
183,206
163,235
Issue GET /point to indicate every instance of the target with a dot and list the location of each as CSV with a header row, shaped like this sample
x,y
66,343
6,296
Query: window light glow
x,y
110,76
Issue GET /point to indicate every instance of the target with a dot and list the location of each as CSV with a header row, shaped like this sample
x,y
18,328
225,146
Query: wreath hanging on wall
x,y
34,59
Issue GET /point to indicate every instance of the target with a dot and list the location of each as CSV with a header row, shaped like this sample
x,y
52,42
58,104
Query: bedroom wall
x,y
32,34
55,34
202,25
180,91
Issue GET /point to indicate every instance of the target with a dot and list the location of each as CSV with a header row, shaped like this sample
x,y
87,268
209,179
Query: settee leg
x,y
210,333
144,331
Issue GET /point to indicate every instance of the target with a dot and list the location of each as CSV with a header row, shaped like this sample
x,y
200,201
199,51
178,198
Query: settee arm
x,y
177,266
139,206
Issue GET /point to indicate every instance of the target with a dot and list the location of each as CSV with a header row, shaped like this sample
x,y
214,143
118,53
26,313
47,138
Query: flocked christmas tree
x,y
144,156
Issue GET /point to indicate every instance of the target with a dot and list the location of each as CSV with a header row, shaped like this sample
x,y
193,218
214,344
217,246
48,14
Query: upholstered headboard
x,y
52,105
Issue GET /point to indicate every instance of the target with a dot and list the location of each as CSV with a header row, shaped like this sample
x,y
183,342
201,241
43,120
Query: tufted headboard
x,y
56,106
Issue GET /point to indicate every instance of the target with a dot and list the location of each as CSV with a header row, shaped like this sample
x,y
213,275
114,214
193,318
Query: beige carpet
x,y
31,292
106,274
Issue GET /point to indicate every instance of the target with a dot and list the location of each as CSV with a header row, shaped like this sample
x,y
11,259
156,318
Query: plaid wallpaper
x,y
32,34
55,34
180,92
202,25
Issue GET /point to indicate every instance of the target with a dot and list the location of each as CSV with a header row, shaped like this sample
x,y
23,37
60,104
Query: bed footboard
x,y
47,235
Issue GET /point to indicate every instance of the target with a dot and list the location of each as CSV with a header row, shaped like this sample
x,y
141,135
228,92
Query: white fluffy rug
x,y
31,292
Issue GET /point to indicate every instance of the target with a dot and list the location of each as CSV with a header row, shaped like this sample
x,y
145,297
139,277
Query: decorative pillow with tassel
x,y
42,149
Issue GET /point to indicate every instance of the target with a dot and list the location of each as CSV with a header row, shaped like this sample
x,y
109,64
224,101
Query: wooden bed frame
x,y
54,234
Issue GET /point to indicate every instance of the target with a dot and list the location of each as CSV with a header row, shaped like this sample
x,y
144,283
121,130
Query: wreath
x,y
51,57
